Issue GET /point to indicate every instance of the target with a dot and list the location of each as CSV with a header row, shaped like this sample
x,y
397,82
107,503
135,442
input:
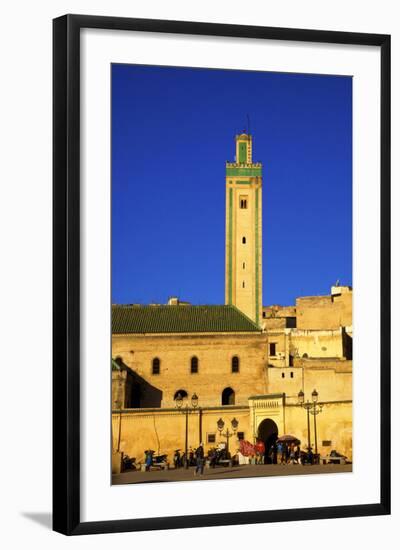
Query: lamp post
x,y
317,408
306,406
179,403
118,404
227,434
313,408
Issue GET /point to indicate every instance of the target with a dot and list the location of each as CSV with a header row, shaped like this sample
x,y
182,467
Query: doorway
x,y
268,434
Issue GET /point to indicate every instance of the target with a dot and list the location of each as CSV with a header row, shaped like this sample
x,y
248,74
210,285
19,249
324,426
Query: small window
x,y
194,365
244,265
240,436
326,443
244,240
291,375
243,203
211,438
272,349
235,364
283,375
156,366
243,285
264,314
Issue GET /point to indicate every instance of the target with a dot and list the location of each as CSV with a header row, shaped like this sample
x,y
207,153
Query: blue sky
x,y
172,131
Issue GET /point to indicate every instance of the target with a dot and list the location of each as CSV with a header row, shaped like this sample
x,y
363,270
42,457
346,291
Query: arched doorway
x,y
268,433
228,397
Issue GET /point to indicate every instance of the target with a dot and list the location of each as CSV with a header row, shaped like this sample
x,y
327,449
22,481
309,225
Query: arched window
x,y
194,365
244,240
183,394
156,366
228,396
235,364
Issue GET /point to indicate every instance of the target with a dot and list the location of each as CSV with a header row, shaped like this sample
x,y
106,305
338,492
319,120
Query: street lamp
x,y
313,408
227,434
179,403
306,406
317,408
119,406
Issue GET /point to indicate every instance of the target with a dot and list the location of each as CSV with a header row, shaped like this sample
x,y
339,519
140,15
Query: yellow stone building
x,y
241,360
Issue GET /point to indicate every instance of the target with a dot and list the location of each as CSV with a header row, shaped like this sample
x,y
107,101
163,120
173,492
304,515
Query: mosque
x,y
185,373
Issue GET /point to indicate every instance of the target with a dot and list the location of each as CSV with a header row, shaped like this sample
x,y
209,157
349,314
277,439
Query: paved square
x,y
263,470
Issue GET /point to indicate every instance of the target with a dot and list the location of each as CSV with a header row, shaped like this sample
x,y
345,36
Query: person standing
x,y
213,457
199,460
148,460
279,450
260,450
177,459
297,454
287,453
292,454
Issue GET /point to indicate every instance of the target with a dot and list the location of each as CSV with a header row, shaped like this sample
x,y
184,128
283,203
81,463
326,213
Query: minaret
x,y
243,252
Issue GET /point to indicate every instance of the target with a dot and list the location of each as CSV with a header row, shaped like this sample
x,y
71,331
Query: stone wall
x,y
325,312
317,343
277,311
164,430
334,427
332,380
274,323
290,345
214,353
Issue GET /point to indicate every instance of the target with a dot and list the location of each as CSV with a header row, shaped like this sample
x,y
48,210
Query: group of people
x,y
279,452
288,453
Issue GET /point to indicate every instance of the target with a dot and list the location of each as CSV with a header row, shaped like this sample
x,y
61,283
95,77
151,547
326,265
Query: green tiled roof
x,y
136,319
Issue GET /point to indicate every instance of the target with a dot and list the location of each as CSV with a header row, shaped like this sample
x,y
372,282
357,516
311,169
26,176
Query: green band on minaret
x,y
230,246
257,258
243,171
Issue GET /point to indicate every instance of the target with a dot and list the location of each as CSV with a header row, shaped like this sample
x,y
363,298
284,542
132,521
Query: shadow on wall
x,y
144,394
137,392
347,345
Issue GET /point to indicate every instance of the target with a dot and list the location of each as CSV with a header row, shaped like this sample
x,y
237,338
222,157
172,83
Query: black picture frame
x,y
66,273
